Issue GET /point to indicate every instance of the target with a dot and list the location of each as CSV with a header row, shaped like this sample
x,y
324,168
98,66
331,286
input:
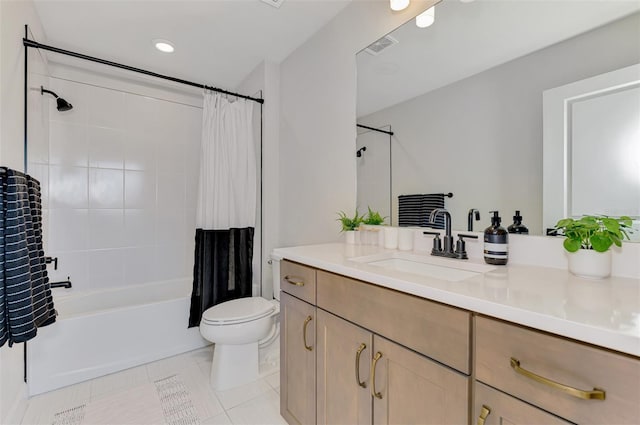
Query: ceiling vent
x,y
378,46
274,3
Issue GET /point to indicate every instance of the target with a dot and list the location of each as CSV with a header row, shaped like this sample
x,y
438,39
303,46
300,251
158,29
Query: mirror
x,y
464,98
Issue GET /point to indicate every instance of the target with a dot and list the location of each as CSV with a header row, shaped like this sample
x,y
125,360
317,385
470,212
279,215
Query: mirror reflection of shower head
x,y
359,151
63,105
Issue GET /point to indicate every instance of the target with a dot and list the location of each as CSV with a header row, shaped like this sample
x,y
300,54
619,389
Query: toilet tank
x,y
275,269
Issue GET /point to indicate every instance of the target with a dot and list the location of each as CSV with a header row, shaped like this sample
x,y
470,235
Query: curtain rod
x,y
29,43
390,133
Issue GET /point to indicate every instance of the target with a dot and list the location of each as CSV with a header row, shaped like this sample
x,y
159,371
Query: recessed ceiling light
x,y
164,46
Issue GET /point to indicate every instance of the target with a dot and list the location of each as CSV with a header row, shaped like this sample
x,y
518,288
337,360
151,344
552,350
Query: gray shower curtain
x,y
226,210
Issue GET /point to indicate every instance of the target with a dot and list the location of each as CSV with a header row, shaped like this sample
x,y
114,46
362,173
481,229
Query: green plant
x,y
373,217
593,232
349,223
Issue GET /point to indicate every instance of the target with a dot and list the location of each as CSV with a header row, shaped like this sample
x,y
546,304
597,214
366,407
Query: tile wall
x,y
119,175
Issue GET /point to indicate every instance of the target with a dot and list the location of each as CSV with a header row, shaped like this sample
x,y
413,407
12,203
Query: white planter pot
x,y
350,237
590,264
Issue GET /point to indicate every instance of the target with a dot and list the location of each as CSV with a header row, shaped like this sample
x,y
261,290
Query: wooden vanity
x,y
354,352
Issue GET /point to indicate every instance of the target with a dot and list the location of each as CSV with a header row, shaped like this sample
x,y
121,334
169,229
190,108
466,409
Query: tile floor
x,y
131,397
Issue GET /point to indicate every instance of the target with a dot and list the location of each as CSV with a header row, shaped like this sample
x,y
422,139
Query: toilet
x,y
245,333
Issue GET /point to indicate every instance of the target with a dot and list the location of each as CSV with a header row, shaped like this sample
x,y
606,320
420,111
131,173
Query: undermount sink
x,y
425,265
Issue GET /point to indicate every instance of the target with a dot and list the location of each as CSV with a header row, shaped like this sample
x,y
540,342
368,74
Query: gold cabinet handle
x,y
294,280
596,393
484,413
358,353
377,357
304,333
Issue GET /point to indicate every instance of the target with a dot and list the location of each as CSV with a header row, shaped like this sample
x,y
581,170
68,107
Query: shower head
x,y
359,151
63,105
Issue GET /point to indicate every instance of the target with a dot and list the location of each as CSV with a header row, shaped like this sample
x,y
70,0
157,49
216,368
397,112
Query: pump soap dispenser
x,y
517,226
496,240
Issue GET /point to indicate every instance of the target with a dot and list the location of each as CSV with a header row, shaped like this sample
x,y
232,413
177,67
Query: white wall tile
x,y
68,187
106,147
68,144
139,189
105,108
106,188
139,265
106,228
171,190
106,268
139,227
68,229
139,152
169,261
170,226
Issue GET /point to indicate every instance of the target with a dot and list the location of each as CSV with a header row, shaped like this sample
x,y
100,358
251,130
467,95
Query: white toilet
x,y
242,331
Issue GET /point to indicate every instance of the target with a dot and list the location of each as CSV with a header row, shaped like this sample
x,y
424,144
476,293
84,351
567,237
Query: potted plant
x,y
373,234
350,225
588,239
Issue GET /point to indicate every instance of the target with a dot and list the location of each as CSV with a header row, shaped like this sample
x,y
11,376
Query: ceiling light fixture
x,y
164,46
398,5
426,18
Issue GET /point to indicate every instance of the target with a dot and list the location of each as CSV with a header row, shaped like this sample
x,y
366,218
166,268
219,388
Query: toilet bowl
x,y
240,330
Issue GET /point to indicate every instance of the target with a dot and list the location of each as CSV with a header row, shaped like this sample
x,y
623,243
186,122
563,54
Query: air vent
x,y
274,3
378,46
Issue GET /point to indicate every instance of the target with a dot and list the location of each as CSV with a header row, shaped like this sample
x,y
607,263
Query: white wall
x,y
318,115
121,199
481,138
13,16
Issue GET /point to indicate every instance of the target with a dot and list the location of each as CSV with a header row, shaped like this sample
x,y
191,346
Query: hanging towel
x,y
414,210
25,295
226,210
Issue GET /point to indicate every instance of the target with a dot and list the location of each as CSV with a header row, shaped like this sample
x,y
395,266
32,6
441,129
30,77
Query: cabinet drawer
x,y
298,280
571,365
498,408
430,328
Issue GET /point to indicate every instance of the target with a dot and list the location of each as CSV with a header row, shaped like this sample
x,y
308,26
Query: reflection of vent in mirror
x,y
379,45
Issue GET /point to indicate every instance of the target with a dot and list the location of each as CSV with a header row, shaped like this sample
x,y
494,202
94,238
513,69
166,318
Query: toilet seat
x,y
238,311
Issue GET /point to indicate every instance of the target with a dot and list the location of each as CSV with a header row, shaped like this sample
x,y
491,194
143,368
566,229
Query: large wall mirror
x,y
464,98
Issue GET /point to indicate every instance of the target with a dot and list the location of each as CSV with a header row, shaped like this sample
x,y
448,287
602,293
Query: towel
x,y
25,296
414,210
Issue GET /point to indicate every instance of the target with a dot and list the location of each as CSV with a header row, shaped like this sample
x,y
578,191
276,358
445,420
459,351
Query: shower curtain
x,y
226,210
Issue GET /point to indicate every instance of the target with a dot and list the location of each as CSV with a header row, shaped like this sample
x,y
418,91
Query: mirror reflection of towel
x,y
414,210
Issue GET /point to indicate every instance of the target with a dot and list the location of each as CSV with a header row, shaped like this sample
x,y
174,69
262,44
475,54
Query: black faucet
x,y
447,250
470,218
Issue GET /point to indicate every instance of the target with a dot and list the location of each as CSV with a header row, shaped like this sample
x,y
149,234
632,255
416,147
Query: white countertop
x,y
601,312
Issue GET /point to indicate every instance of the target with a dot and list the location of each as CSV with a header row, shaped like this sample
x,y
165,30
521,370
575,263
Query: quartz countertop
x,y
600,312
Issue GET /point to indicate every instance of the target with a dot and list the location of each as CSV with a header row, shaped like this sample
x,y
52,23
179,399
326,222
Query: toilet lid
x,y
240,310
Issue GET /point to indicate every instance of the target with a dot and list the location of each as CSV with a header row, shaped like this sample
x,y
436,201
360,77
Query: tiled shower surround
x,y
119,175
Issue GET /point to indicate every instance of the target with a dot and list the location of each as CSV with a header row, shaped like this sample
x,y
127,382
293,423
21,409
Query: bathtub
x,y
101,332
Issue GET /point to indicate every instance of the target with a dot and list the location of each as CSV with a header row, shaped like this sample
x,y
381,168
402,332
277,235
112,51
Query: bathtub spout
x,y
62,284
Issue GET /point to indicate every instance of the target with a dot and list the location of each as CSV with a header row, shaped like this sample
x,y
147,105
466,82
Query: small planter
x,y
350,237
590,264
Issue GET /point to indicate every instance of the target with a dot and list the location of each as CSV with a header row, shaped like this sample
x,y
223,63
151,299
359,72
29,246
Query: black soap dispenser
x,y
496,239
517,226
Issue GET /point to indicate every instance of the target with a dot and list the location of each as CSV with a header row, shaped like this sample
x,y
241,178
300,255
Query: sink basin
x,y
425,265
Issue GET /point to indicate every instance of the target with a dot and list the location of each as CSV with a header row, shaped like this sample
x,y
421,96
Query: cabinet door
x,y
411,389
493,407
297,360
343,391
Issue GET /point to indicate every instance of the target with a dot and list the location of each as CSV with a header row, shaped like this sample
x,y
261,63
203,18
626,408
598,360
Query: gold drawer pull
x,y
358,353
377,357
294,280
596,393
484,413
304,333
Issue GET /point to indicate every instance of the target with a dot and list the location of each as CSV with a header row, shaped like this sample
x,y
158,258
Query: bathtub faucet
x,y
62,284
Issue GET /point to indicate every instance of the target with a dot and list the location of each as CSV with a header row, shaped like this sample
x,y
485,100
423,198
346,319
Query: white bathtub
x,y
102,332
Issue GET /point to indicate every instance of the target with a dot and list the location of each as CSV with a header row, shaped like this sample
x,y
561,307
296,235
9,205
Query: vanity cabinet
x,y
364,377
575,381
297,360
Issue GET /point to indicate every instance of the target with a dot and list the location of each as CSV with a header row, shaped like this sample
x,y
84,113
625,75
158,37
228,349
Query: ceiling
x,y
217,42
468,38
